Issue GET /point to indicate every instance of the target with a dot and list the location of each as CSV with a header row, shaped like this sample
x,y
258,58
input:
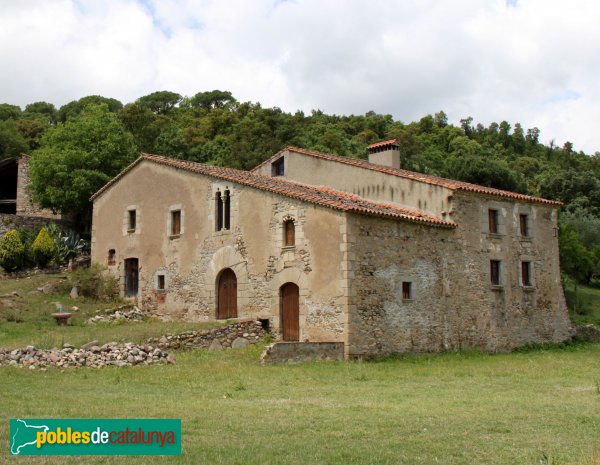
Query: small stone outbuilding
x,y
331,249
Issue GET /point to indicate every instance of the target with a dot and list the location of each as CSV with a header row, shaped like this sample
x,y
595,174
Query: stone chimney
x,y
386,153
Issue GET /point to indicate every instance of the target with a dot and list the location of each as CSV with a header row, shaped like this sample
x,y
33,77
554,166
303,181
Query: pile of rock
x,y
126,312
588,333
87,356
234,336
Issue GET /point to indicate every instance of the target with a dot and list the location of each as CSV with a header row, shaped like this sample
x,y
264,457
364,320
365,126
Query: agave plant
x,y
68,245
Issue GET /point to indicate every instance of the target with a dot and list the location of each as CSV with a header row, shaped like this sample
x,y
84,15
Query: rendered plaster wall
x,y
369,184
253,248
454,306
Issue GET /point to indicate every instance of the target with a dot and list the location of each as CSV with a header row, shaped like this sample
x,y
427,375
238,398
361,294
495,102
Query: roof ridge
x,y
419,177
319,195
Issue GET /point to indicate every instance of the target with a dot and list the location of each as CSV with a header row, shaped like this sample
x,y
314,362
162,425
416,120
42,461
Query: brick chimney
x,y
386,153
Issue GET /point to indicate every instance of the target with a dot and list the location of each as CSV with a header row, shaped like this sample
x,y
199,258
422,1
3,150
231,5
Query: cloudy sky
x,y
536,62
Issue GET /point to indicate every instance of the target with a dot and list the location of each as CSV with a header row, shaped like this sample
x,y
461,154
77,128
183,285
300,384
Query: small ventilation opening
x,y
265,323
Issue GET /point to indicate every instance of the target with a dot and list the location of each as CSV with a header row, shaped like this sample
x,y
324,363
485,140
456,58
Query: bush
x,y
12,251
43,248
95,283
27,237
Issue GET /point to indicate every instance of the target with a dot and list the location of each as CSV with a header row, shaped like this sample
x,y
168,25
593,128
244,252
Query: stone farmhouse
x,y
325,248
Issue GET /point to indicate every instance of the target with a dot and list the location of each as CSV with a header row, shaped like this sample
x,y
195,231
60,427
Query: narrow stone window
x,y
160,282
495,272
175,222
493,221
523,225
111,257
132,221
278,167
227,211
218,211
289,233
526,274
407,290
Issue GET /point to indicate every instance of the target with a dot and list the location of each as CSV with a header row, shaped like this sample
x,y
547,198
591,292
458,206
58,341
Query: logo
x,y
150,436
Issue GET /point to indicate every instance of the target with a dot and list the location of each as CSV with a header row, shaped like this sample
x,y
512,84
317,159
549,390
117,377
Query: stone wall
x,y
252,248
453,305
25,204
232,335
295,352
8,222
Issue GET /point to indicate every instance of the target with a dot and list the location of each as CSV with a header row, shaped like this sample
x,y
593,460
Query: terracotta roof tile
x,y
420,177
381,144
313,194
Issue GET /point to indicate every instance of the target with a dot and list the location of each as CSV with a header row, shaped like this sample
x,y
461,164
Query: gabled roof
x,y
419,177
317,195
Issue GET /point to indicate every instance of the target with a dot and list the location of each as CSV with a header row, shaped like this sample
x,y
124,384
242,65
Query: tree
x,y
42,108
212,99
77,158
77,107
160,103
12,143
486,172
8,111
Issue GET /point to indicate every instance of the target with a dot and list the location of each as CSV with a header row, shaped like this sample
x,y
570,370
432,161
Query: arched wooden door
x,y
289,302
227,295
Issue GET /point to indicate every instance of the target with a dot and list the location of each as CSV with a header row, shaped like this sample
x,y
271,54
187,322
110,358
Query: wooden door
x,y
289,299
131,277
227,295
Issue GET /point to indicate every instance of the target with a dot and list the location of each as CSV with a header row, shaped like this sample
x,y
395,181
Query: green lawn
x,y
537,406
584,304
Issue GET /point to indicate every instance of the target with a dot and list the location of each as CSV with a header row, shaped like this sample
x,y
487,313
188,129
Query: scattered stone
x,y
239,343
89,345
94,357
126,312
74,294
74,308
215,345
48,288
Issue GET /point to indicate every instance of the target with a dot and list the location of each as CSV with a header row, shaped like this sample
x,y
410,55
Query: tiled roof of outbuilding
x,y
313,194
419,177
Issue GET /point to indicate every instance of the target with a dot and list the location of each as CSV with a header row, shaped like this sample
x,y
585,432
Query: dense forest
x,y
78,147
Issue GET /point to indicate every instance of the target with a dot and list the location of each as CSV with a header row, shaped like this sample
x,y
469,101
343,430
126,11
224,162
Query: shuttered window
x,y
493,221
523,225
526,273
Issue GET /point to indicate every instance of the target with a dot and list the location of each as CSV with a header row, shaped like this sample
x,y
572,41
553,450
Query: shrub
x,y
12,251
43,248
68,245
27,237
95,283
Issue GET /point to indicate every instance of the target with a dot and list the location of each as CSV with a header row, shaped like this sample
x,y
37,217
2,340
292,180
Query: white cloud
x,y
531,61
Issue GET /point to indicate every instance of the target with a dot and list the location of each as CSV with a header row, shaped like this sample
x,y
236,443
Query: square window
x,y
495,272
278,167
160,282
111,257
523,225
493,221
132,220
406,290
175,222
526,274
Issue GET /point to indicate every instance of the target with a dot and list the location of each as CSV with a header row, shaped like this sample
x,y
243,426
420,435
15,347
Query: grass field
x,y
584,304
538,406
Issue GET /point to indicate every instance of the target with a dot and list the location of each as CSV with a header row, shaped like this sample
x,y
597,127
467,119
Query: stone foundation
x,y
295,352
